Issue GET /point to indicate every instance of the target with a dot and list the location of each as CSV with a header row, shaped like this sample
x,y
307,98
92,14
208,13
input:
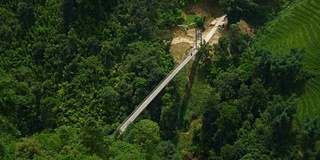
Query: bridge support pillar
x,y
198,36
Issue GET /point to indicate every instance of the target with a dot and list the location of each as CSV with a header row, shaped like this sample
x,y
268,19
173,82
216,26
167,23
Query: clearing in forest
x,y
184,37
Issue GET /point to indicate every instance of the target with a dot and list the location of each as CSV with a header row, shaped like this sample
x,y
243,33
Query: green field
x,y
189,19
299,27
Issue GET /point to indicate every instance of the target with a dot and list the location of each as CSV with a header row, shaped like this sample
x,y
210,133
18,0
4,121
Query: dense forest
x,y
72,70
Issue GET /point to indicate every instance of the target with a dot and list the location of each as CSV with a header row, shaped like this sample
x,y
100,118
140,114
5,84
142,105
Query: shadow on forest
x,y
182,123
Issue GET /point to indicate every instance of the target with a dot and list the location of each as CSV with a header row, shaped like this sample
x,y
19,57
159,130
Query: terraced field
x,y
299,28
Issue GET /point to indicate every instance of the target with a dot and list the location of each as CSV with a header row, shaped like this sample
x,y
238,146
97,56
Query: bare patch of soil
x,y
206,8
183,38
245,27
180,40
180,51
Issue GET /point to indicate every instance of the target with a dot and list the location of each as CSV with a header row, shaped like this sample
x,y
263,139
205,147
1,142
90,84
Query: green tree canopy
x,y
280,72
236,9
199,21
122,150
145,134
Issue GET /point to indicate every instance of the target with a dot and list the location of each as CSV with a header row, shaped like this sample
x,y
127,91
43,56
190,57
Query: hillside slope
x,y
299,27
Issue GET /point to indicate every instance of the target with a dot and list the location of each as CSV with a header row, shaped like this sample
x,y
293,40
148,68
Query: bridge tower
x,y
198,37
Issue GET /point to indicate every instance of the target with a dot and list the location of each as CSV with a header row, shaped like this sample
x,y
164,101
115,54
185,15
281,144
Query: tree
x,y
38,52
227,124
26,14
108,100
259,98
28,149
199,21
46,111
271,136
145,134
93,46
17,101
165,150
2,151
205,56
93,9
309,136
71,48
230,47
238,43
210,115
236,9
280,72
67,8
221,52
140,85
282,114
122,150
92,138
8,103
227,85
125,88
169,116
169,14
252,141
68,144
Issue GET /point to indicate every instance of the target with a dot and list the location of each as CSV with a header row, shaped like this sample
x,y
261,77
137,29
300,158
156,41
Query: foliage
x,y
237,9
25,13
7,148
72,70
189,19
281,72
63,61
145,134
309,137
230,48
93,139
27,149
123,150
261,138
227,124
246,117
301,35
168,114
165,150
199,21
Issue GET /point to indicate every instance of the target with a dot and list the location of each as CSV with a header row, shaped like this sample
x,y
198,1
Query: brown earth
x,y
179,51
183,38
206,8
245,27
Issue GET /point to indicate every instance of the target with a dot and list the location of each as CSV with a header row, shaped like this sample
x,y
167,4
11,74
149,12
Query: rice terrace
x,y
299,28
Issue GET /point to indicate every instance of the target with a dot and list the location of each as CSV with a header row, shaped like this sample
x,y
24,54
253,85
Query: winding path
x,y
166,80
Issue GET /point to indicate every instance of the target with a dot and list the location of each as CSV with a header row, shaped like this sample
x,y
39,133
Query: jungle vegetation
x,y
72,70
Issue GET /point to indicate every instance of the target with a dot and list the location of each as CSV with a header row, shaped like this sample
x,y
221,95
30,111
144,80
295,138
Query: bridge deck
x,y
166,80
